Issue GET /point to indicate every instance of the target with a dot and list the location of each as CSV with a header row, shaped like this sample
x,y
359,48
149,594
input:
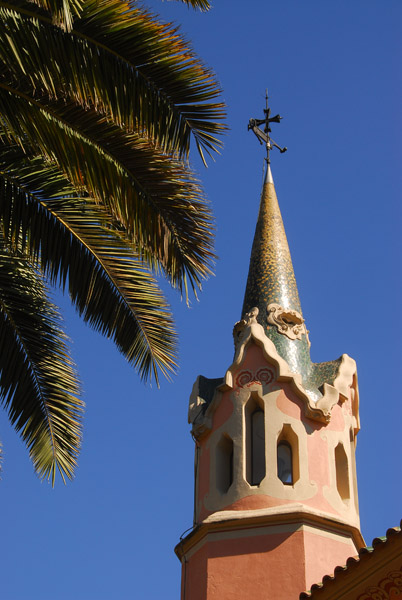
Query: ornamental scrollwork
x,y
287,321
264,376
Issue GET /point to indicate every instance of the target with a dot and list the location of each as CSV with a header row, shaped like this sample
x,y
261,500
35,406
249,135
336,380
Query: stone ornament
x,y
287,321
241,327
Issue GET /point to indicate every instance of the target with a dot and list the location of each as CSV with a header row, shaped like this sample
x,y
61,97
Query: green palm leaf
x,y
63,11
76,241
203,5
98,104
170,91
153,196
37,378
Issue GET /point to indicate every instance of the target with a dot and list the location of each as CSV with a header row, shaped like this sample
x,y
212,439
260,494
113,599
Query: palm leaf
x,y
76,241
142,74
38,382
62,11
153,196
98,104
203,5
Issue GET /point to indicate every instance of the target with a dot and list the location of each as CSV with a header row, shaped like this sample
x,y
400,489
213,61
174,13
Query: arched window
x,y
255,442
224,464
353,468
342,472
285,463
257,447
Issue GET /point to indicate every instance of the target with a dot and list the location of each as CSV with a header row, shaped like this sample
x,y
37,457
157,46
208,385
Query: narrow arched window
x,y
224,464
257,447
284,462
255,442
342,472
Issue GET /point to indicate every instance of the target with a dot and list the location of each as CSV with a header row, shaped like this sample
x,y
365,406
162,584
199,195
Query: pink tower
x,y
276,504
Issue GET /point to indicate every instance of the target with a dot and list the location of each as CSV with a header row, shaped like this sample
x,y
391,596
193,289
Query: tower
x,y
276,503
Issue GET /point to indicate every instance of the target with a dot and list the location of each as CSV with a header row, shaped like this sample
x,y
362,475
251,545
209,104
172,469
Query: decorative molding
x,y
284,516
264,376
244,377
249,330
288,322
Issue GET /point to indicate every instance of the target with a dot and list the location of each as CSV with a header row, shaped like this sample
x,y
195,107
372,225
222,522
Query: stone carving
x,y
287,321
240,328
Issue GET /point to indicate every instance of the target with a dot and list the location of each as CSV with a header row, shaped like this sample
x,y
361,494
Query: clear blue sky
x,y
332,71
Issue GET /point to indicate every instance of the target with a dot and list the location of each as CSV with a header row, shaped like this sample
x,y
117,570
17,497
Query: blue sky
x,y
332,71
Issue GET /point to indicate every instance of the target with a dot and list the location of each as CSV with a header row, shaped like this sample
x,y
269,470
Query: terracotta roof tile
x,y
352,563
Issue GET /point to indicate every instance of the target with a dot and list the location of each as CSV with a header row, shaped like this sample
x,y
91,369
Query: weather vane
x,y
263,135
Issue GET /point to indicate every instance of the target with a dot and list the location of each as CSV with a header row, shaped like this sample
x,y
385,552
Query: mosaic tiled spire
x,y
271,278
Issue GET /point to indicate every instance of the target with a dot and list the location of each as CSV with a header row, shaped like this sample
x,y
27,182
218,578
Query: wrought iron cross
x,y
263,135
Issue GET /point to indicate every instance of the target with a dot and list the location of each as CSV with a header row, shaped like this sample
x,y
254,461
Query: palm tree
x,y
98,104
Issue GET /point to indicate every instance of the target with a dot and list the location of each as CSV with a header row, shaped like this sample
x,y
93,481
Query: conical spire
x,y
271,284
271,277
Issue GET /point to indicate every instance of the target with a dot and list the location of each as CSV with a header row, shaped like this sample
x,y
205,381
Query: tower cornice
x,y
288,518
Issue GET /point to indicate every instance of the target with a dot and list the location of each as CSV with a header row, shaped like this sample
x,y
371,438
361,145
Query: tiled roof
x,y
353,564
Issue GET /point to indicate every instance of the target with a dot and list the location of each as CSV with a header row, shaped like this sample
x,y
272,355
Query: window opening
x,y
284,463
257,447
224,464
353,468
254,442
342,472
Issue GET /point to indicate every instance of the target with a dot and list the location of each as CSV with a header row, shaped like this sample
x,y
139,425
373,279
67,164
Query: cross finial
x,y
263,135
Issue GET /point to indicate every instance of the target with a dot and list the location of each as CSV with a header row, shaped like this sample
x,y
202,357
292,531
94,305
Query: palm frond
x,y
125,64
203,5
76,242
98,104
38,383
153,196
62,11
